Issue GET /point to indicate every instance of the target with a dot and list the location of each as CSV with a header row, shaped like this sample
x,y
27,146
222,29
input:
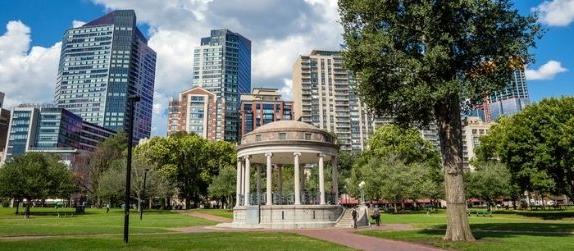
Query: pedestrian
x,y
377,215
108,208
354,214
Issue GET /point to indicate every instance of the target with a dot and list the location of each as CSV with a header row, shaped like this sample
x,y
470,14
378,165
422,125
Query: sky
x,y
31,31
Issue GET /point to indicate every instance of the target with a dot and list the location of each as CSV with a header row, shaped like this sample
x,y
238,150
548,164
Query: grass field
x,y
98,230
502,231
225,213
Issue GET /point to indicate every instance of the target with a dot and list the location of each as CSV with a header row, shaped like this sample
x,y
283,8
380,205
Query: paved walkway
x,y
345,237
353,240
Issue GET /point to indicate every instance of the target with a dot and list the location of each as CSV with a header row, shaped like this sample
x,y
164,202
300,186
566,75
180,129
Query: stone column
x,y
247,176
269,179
335,174
296,188
321,180
238,183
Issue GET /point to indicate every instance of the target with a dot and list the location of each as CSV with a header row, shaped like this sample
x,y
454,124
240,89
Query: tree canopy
x,y
417,60
537,145
35,176
490,181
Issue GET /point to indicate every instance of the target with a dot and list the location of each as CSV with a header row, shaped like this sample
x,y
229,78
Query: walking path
x,y
345,237
353,240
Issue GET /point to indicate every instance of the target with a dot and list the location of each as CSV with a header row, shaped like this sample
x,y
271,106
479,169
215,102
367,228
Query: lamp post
x,y
143,193
132,100
361,187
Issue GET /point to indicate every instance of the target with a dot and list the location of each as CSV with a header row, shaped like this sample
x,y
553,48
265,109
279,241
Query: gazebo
x,y
271,147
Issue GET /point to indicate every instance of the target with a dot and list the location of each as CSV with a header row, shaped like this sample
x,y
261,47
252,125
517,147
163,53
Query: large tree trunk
x,y
450,133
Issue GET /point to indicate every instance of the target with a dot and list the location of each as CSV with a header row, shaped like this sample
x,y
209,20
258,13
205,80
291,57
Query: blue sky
x,y
30,31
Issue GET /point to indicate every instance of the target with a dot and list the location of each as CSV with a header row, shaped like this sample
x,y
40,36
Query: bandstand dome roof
x,y
284,125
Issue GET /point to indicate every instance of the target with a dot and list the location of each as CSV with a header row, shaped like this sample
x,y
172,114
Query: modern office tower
x,y
473,128
510,100
222,65
47,128
4,122
323,96
1,100
198,111
262,106
102,63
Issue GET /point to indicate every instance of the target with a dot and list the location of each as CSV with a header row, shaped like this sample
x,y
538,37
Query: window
x,y
282,136
258,137
307,136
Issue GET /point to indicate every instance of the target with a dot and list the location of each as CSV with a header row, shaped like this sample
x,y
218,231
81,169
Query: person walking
x,y
377,215
354,214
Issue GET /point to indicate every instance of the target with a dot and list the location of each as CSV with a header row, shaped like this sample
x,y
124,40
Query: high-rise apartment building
x,y
102,63
47,128
323,94
222,66
198,111
473,128
262,106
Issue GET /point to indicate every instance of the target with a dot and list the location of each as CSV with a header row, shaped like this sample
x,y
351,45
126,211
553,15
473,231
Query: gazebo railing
x,y
307,198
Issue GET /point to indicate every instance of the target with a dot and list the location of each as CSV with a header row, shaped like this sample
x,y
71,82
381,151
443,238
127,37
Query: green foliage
x,y
399,164
537,145
188,161
489,182
35,176
109,151
412,57
223,185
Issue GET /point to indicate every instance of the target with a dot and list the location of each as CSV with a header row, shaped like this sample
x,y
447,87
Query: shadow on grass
x,y
545,215
507,230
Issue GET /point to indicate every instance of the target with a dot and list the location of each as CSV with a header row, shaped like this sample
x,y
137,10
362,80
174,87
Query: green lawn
x,y
506,231
44,221
98,230
197,241
226,213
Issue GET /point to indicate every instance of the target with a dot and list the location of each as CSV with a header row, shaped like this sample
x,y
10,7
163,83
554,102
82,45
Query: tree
x,y
537,145
110,150
223,186
189,162
489,182
399,164
35,176
417,60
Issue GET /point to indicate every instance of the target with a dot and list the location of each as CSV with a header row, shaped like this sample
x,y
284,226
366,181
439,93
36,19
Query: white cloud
x,y
27,75
77,23
546,71
287,89
556,12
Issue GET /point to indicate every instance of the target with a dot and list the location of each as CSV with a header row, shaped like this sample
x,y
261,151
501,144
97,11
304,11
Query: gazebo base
x,y
286,216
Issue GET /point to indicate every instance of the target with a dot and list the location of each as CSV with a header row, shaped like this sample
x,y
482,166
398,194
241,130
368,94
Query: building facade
x,y
323,96
510,100
222,65
263,106
198,111
47,128
473,128
4,122
102,63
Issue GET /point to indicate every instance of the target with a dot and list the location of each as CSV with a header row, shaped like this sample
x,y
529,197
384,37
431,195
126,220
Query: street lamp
x,y
132,100
361,187
143,193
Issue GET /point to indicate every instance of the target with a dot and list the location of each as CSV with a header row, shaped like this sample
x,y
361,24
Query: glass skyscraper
x,y
222,66
102,63
510,100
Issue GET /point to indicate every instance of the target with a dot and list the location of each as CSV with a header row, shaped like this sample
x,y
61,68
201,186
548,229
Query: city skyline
x,y
276,44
